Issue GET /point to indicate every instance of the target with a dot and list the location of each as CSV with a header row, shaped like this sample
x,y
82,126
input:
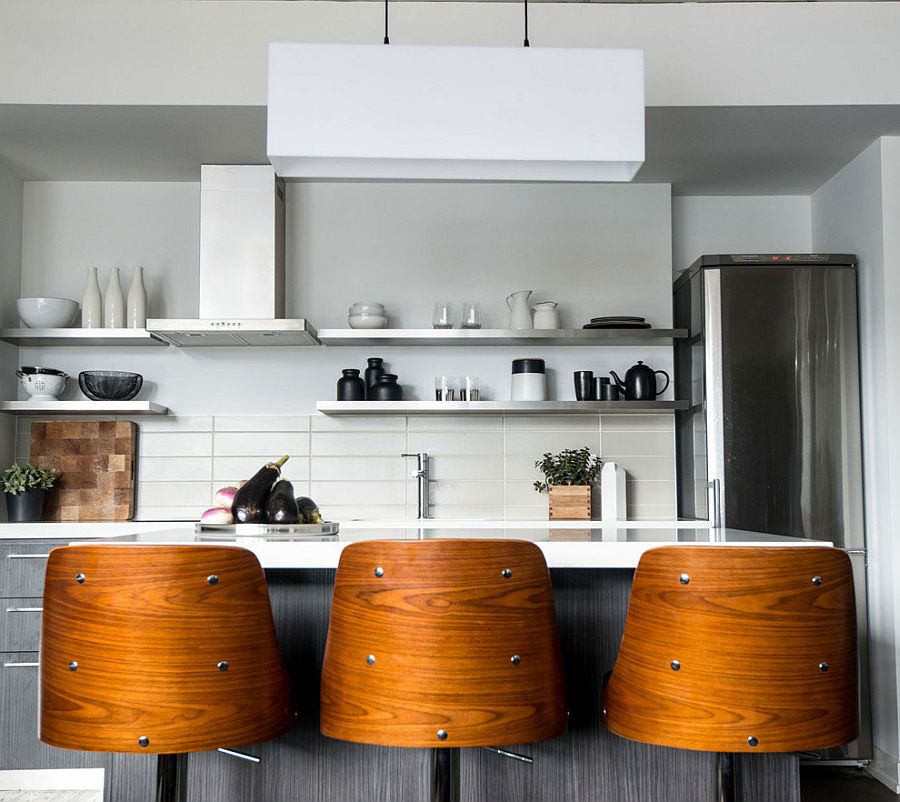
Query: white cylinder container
x,y
136,307
92,302
529,380
114,302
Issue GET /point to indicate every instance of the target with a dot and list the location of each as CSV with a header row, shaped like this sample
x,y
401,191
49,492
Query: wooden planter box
x,y
571,502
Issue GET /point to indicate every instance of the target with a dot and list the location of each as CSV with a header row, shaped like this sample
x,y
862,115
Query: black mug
x,y
599,381
584,385
609,392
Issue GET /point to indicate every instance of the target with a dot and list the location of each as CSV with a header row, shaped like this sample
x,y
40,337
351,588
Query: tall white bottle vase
x,y
114,302
91,302
136,306
612,493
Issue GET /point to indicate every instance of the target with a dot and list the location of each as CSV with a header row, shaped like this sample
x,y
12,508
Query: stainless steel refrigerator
x,y
772,439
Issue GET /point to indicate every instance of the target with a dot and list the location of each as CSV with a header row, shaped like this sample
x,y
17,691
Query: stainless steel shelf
x,y
83,408
94,337
496,407
494,337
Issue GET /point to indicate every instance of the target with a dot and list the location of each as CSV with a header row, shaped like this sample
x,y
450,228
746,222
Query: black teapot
x,y
640,383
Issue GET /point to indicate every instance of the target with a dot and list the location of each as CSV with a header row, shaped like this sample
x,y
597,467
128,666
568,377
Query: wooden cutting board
x,y
96,464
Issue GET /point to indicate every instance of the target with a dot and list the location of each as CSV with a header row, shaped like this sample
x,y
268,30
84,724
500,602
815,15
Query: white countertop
x,y
589,546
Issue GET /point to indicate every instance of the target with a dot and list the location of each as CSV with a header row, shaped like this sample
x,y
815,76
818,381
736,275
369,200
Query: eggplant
x,y
309,511
281,506
249,505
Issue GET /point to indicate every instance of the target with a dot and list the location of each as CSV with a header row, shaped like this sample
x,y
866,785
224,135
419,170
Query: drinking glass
x,y
468,388
443,315
471,315
445,388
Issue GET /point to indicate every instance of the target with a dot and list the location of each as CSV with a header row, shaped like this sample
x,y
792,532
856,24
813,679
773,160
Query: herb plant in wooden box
x,y
568,477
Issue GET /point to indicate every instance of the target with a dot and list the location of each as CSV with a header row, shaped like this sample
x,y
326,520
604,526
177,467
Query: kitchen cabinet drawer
x,y
20,624
22,567
20,747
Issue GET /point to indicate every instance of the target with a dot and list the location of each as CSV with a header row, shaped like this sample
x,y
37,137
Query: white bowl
x,y
46,313
367,321
42,386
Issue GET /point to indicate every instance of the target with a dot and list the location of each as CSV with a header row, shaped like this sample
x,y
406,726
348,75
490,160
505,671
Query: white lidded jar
x,y
114,302
92,302
529,380
136,306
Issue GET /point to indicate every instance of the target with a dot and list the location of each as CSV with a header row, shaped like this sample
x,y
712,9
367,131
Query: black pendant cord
x,y
387,39
526,43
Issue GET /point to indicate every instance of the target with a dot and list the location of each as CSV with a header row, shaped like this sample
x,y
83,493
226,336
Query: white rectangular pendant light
x,y
395,112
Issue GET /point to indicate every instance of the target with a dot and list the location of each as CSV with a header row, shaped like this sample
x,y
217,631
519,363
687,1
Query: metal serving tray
x,y
267,531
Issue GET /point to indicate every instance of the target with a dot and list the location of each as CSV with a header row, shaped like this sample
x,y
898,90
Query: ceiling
x,y
700,151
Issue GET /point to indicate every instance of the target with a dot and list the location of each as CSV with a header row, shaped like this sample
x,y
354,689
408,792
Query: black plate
x,y
618,319
614,325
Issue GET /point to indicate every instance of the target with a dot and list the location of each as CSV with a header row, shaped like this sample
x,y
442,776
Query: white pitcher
x,y
520,312
546,315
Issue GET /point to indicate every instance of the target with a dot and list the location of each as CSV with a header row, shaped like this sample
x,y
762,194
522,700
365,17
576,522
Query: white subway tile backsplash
x,y
359,468
358,444
638,444
174,423
534,444
456,443
175,469
552,423
175,494
641,468
358,423
175,444
236,444
483,466
233,469
358,494
456,423
261,423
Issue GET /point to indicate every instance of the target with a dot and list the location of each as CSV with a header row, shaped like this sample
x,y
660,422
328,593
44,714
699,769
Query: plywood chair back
x,y
442,643
734,649
162,649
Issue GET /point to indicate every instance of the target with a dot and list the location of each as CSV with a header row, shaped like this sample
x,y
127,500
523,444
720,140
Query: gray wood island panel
x,y
588,763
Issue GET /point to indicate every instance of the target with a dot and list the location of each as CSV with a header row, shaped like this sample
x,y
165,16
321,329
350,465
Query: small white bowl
x,y
367,321
46,313
42,386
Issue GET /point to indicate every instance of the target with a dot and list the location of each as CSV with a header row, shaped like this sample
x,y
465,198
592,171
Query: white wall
x,y
856,211
10,263
749,224
109,52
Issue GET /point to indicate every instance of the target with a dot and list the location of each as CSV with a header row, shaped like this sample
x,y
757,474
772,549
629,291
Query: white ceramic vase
x,y
136,307
91,302
114,302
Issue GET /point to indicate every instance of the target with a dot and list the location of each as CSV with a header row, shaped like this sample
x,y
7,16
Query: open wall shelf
x,y
497,407
495,337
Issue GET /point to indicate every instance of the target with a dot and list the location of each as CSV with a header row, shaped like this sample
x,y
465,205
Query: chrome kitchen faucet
x,y
421,473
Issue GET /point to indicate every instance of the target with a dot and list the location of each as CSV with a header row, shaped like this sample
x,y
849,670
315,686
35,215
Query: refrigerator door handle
x,y
712,501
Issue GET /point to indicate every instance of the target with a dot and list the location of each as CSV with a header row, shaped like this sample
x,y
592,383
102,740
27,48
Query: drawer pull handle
x,y
27,556
24,609
21,665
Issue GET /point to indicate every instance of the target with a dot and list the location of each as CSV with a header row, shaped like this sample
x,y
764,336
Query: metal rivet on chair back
x,y
149,634
749,630
442,643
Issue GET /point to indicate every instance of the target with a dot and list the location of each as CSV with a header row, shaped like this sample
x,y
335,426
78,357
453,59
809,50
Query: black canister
x,y
350,387
584,385
599,381
609,392
375,369
386,389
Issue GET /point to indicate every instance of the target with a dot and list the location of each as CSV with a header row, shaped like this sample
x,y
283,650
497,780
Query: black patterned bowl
x,y
110,385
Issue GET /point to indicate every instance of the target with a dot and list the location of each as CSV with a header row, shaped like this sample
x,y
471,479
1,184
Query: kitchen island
x,y
591,567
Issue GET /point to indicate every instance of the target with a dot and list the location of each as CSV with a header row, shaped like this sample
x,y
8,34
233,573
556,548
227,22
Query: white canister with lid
x,y
546,315
529,380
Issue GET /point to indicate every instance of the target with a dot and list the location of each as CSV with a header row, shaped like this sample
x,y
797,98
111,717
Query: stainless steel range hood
x,y
241,264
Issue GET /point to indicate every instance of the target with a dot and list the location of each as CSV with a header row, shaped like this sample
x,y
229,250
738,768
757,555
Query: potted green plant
x,y
568,476
24,487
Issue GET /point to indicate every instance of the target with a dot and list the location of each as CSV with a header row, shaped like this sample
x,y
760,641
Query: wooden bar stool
x,y
159,649
737,650
443,644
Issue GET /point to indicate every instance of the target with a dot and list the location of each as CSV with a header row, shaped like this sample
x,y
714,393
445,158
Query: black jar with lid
x,y
375,369
350,387
386,389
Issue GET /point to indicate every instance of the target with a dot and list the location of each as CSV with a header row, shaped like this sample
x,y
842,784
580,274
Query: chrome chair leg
x,y
445,775
727,778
